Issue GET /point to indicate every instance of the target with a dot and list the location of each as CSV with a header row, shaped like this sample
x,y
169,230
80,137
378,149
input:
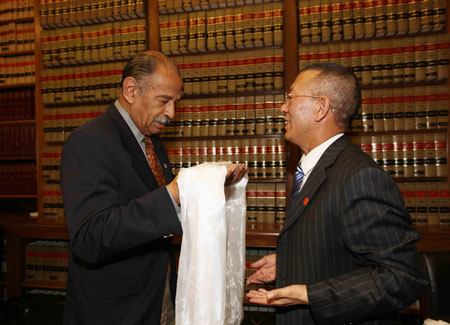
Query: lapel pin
x,y
305,201
165,165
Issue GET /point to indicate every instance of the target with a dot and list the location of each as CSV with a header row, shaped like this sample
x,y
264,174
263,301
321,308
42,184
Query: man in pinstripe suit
x,y
346,254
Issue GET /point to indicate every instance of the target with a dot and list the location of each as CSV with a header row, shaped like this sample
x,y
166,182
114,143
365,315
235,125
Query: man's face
x,y
152,110
298,110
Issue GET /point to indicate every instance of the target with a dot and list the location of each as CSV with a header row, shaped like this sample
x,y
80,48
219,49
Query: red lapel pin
x,y
305,201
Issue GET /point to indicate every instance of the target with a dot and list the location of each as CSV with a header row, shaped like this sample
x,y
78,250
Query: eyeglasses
x,y
287,97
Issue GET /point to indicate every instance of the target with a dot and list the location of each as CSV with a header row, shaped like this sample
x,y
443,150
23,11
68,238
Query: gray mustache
x,y
162,120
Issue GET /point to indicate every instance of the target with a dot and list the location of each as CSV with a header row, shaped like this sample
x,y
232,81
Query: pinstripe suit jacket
x,y
349,238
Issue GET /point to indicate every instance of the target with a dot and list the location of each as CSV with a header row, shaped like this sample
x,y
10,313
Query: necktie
x,y
153,161
298,179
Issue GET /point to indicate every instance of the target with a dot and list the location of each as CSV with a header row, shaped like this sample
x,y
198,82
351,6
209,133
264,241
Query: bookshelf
x,y
74,109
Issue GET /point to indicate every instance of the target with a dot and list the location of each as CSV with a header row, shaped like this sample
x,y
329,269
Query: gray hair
x,y
341,86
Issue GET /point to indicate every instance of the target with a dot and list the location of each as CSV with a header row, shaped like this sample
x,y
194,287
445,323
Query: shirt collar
x,y
137,133
310,160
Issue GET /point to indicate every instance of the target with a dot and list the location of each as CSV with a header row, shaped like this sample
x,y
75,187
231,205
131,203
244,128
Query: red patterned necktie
x,y
153,161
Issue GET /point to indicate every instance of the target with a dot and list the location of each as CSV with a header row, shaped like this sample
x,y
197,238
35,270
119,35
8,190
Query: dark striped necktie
x,y
298,179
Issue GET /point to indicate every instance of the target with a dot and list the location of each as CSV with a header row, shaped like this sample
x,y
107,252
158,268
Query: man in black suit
x,y
120,215
346,253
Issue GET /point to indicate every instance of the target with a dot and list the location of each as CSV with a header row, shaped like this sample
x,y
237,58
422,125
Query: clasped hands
x,y
287,296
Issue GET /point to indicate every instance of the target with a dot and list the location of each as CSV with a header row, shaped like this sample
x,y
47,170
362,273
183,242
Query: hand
x,y
235,173
288,296
173,190
266,270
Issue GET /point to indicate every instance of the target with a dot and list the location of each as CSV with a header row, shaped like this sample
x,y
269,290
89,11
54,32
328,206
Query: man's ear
x,y
129,89
323,107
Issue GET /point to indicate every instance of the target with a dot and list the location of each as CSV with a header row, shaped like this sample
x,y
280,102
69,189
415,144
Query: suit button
x,y
169,235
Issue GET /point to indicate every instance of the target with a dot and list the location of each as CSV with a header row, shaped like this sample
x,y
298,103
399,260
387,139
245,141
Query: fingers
x,y
235,173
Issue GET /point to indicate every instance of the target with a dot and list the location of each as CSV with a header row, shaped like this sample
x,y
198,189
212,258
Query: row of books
x,y
51,161
47,260
428,203
16,70
16,105
17,37
220,29
53,203
60,13
17,140
172,6
80,84
227,116
266,203
60,122
17,178
93,43
397,109
16,9
247,71
411,59
265,158
408,155
325,20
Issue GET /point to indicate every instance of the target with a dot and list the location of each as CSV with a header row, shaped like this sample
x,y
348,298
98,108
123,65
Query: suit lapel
x,y
138,159
316,178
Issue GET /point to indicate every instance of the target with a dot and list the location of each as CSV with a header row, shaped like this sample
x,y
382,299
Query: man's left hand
x,y
235,173
282,297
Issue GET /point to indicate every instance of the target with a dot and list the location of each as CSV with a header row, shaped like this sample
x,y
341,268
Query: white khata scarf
x,y
211,269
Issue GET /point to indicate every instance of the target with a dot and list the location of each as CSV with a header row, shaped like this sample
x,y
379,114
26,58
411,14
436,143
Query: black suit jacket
x,y
117,219
349,238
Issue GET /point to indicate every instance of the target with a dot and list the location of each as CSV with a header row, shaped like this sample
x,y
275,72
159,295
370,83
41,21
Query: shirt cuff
x,y
175,205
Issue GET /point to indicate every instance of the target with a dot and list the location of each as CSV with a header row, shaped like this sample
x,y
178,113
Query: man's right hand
x,y
266,270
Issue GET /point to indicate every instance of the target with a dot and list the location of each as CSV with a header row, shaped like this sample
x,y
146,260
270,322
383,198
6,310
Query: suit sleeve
x,y
100,227
377,230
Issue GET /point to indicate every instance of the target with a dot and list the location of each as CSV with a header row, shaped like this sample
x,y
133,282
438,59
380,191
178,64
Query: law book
x,y
426,15
429,155
399,109
269,201
337,32
419,155
443,106
387,62
348,19
388,155
43,12
408,155
192,32
238,23
380,18
388,109
201,31
277,10
315,20
366,63
377,110
248,23
211,30
410,199
433,203
420,108
304,18
30,261
278,127
398,72
441,156
410,110
250,122
420,58
267,24
414,10
397,141
421,204
356,59
443,56
173,34
431,55
220,29
431,107
251,200
230,115
444,203
376,61
377,150
439,14
249,70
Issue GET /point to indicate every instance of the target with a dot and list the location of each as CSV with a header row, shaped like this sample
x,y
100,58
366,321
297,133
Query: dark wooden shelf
x,y
234,50
236,94
16,53
24,158
18,196
359,134
46,285
18,122
22,85
224,137
17,20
